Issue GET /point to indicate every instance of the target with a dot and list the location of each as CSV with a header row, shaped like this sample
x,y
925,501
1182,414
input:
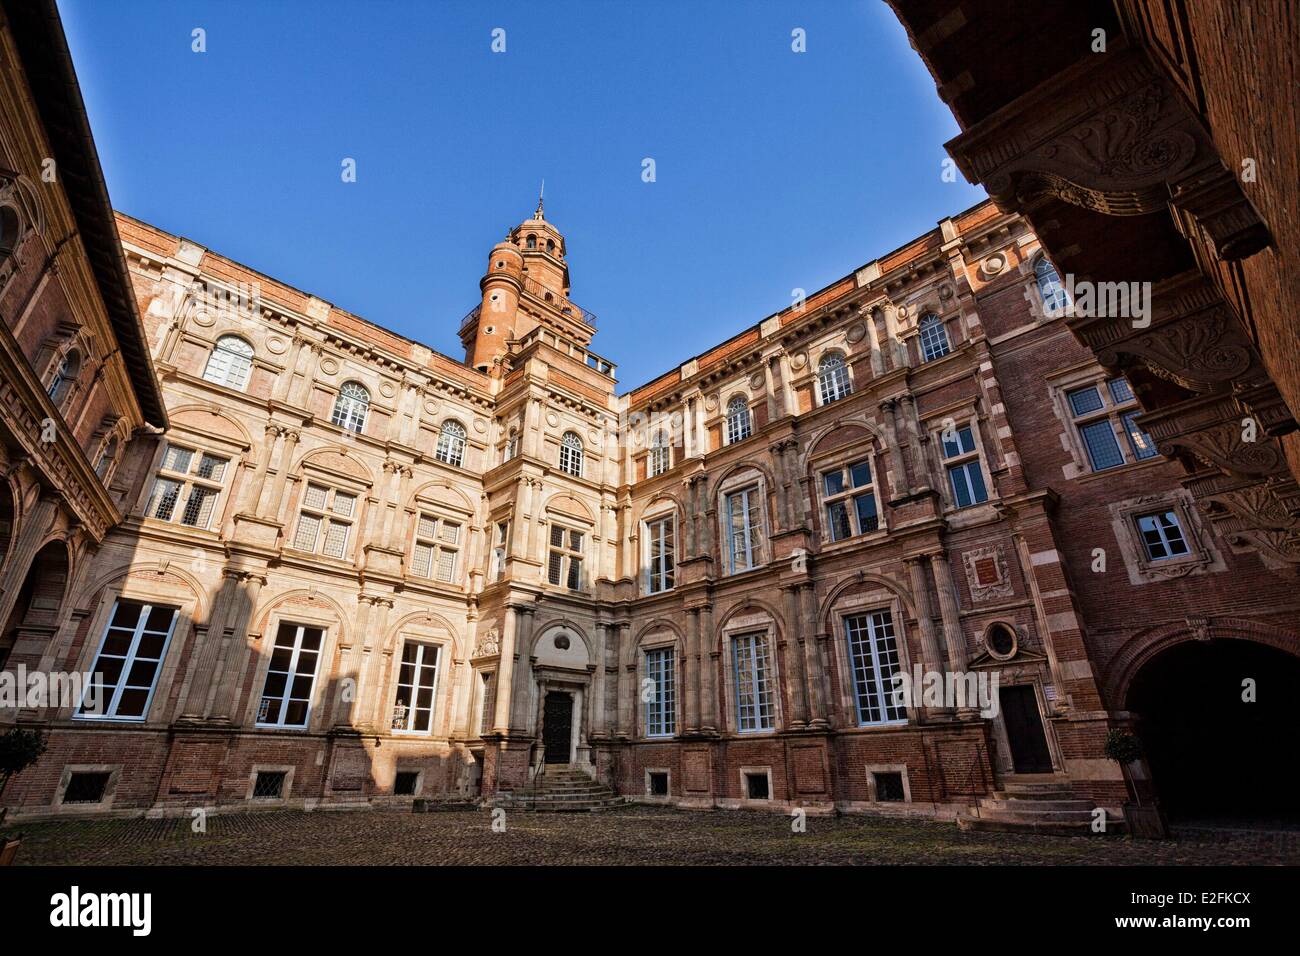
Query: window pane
x,y
198,509
838,521
308,528
165,494
177,459
446,565
211,467
833,482
868,520
314,497
425,527
1103,449
336,539
1084,400
860,473
1143,445
575,574
1120,391
422,560
343,504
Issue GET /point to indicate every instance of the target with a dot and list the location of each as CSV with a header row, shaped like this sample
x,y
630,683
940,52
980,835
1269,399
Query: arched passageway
x,y
35,613
1215,754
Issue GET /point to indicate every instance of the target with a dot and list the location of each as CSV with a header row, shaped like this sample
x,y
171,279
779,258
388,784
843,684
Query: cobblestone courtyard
x,y
635,835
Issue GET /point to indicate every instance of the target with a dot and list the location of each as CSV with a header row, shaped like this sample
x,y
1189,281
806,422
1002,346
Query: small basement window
x,y
889,787
658,784
404,784
756,786
86,788
269,785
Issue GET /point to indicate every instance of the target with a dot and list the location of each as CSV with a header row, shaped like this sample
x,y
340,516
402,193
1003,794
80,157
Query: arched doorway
x,y
35,613
1214,755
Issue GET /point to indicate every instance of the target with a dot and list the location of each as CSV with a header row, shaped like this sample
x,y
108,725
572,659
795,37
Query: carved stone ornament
x,y
488,644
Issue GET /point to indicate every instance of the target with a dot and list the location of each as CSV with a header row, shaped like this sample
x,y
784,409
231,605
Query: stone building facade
x,y
352,571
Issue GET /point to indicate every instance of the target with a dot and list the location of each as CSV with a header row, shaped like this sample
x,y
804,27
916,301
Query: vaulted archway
x,y
1218,721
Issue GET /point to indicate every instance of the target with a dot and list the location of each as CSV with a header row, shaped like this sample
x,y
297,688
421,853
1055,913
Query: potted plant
x,y
19,749
1145,820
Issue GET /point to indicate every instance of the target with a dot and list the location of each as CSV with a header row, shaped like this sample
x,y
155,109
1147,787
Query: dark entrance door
x,y
1024,729
557,726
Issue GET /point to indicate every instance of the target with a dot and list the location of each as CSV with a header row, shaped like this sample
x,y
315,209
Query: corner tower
x,y
526,286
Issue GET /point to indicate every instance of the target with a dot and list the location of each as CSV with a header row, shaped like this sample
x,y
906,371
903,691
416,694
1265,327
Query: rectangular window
x,y
744,522
661,708
753,691
130,656
564,563
962,463
660,553
1162,536
86,788
659,461
194,477
873,656
850,501
437,545
325,521
416,677
290,676
1100,415
487,701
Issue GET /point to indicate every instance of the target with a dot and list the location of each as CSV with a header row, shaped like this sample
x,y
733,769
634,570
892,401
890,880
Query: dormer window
x,y
934,338
739,421
571,455
350,407
451,444
833,378
230,362
532,242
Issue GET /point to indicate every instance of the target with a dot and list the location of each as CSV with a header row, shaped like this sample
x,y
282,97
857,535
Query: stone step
x,y
1044,816
985,825
1035,802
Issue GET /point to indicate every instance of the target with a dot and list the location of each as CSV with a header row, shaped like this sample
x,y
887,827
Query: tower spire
x,y
541,193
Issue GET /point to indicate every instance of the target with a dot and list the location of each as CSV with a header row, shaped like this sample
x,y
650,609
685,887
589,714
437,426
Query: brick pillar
x,y
626,681
235,653
212,648
598,684
524,620
953,638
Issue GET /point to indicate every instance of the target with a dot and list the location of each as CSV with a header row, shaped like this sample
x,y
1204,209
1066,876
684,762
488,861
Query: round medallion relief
x,y
799,360
480,425
856,333
329,366
994,264
387,390
553,419
431,407
756,380
204,318
562,642
276,345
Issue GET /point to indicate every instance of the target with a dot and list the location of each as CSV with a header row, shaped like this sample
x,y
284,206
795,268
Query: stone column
x,y
708,672
505,673
898,483
916,567
816,678
626,681
236,650
523,667
953,638
920,461
212,650
598,684
794,655
283,466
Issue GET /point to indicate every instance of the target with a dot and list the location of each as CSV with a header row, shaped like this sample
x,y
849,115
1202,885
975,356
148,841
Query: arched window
x,y
10,230
661,456
66,373
532,242
934,338
351,406
833,378
739,423
230,362
571,455
451,443
1055,299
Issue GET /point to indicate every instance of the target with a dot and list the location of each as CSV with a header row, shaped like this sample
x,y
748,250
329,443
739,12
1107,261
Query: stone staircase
x,y
562,789
1037,803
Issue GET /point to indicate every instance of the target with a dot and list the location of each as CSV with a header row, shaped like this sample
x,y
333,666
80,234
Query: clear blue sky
x,y
775,169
